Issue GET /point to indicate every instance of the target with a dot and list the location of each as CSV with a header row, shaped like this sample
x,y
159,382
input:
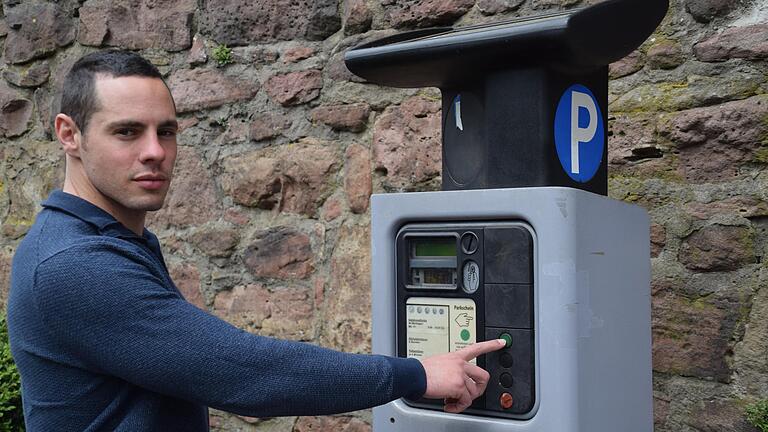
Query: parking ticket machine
x,y
522,243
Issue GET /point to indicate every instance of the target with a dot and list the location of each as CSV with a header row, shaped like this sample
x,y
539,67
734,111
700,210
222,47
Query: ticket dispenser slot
x,y
462,283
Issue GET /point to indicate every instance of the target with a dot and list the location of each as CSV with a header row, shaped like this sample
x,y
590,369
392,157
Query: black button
x,y
505,359
506,380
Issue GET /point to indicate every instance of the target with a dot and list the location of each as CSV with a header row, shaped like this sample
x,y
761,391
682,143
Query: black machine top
x,y
591,36
525,102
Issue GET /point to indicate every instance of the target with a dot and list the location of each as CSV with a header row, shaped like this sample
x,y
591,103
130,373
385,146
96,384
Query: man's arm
x,y
112,316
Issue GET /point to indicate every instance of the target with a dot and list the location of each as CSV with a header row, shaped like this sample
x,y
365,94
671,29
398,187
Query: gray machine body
x,y
591,304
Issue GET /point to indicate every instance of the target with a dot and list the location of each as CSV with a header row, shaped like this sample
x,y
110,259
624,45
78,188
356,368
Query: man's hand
x,y
452,378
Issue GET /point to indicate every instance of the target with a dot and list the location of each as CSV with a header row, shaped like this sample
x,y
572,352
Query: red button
x,y
506,400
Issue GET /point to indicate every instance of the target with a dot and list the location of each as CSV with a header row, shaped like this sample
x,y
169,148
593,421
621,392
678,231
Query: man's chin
x,y
153,205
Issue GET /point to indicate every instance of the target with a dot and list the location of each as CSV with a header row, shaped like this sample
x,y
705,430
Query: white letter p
x,y
581,135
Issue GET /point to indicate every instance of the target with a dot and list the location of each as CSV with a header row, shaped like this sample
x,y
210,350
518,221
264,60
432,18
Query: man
x,y
104,340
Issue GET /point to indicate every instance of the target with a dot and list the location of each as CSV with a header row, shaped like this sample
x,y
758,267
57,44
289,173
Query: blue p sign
x,y
579,133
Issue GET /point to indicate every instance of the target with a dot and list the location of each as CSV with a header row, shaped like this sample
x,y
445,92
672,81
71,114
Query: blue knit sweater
x,y
104,341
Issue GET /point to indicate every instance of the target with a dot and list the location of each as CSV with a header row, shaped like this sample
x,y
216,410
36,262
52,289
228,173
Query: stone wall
x,y
267,222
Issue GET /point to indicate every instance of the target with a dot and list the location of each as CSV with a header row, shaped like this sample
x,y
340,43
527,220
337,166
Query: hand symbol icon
x,y
463,320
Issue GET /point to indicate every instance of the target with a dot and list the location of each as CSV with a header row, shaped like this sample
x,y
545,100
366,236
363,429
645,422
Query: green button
x,y
507,338
465,335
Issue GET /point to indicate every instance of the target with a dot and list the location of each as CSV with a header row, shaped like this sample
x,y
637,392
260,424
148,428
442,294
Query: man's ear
x,y
68,134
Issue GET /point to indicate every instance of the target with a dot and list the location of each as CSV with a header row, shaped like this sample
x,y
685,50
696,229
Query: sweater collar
x,y
92,214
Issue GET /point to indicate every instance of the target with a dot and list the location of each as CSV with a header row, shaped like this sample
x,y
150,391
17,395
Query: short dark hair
x,y
78,94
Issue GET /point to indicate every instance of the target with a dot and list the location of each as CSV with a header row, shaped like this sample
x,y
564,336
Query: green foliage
x,y
757,414
11,416
223,55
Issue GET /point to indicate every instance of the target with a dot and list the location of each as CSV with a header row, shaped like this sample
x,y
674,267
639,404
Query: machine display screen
x,y
434,247
432,262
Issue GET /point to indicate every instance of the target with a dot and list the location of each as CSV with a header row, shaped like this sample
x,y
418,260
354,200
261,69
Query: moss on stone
x,y
761,154
16,221
628,183
430,96
700,304
747,242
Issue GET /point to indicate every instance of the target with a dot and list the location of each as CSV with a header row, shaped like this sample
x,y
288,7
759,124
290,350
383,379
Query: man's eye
x,y
167,133
125,132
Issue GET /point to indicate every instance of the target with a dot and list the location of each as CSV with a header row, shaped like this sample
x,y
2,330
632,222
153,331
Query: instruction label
x,y
439,325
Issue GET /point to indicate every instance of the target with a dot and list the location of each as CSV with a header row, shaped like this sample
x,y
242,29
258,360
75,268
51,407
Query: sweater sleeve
x,y
111,314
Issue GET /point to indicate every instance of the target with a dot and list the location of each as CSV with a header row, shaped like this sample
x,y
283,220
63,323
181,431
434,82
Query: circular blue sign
x,y
579,133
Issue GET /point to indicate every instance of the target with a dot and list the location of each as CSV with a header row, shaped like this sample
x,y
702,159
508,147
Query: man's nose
x,y
152,148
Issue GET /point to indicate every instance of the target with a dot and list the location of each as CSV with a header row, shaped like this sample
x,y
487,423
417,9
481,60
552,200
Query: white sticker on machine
x,y
439,325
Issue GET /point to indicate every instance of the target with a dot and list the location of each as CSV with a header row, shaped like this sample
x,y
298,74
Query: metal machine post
x,y
522,243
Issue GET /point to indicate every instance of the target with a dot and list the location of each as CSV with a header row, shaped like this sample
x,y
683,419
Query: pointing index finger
x,y
481,348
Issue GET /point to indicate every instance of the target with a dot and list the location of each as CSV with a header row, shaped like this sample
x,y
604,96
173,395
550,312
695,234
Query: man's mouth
x,y
151,182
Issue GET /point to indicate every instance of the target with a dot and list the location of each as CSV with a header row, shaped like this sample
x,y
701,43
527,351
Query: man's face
x,y
129,147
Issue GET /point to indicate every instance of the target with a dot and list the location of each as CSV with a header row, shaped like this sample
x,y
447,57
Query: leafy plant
x,y
11,415
757,414
223,55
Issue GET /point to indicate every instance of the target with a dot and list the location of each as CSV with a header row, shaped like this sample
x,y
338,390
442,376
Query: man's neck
x,y
131,219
